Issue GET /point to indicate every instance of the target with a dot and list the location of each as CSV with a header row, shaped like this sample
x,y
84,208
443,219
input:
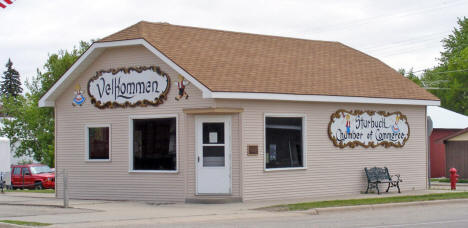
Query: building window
x,y
154,144
284,142
98,142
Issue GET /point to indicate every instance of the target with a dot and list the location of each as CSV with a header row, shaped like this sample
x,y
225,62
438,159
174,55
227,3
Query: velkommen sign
x,y
368,129
129,87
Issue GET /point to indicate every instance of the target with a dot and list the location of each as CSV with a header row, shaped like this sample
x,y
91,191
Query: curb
x,y
317,211
33,205
448,184
9,225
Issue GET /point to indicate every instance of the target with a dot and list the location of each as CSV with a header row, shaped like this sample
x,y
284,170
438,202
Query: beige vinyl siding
x,y
330,170
112,180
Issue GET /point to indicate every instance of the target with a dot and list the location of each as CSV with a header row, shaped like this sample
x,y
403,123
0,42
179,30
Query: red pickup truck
x,y
35,176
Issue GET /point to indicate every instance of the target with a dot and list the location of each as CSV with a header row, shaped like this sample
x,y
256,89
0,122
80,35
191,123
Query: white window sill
x,y
98,160
284,169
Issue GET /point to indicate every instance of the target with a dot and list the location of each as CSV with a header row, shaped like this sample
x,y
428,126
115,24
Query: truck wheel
x,y
38,186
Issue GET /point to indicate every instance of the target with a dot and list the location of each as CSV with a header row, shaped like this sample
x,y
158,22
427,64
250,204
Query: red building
x,y
445,123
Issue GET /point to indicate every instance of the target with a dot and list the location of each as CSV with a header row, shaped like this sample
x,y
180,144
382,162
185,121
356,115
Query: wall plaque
x,y
252,150
368,129
134,86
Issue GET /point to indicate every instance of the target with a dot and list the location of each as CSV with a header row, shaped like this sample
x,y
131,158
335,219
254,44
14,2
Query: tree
x,y
411,76
33,127
449,80
11,84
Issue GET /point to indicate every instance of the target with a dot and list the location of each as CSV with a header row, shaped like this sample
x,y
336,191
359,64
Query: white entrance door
x,y
213,150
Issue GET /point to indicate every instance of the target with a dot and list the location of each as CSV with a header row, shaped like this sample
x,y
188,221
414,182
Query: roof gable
x,y
454,136
94,51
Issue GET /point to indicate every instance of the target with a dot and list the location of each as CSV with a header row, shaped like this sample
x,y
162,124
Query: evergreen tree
x,y
32,129
11,84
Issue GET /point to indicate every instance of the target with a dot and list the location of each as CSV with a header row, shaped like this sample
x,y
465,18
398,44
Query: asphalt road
x,y
445,215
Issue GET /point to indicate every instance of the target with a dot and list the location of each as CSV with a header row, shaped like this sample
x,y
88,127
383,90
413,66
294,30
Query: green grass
x,y
32,190
25,223
368,201
447,180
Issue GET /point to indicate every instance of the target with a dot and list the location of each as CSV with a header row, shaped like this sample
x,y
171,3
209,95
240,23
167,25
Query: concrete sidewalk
x,y
41,207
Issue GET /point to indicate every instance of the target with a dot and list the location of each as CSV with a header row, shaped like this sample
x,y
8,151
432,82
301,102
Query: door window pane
x,y
283,142
213,156
213,133
98,143
154,144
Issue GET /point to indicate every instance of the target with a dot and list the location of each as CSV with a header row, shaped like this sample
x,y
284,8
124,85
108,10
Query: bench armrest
x,y
396,177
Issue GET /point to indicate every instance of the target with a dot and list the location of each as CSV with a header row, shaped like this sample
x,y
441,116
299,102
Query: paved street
x,y
95,213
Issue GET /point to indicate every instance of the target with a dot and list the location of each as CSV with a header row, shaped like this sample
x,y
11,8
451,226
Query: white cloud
x,y
401,33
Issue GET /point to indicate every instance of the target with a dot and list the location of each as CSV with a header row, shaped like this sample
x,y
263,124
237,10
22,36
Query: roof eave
x,y
48,100
323,98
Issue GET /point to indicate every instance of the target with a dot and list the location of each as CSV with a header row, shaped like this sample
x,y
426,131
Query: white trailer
x,y
5,164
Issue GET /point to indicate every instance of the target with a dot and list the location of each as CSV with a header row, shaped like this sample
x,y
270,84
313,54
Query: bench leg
x,y
367,190
388,187
377,186
398,186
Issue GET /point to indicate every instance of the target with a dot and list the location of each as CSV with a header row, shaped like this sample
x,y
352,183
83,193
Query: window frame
x,y
130,142
304,140
87,127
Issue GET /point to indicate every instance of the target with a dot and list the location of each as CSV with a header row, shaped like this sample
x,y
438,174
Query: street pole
x,y
65,189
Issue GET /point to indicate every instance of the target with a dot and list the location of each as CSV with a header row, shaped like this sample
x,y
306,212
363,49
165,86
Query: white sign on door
x,y
368,129
213,137
129,87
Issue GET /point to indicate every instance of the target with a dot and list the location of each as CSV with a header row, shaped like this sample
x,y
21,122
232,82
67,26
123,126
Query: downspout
x,y
428,147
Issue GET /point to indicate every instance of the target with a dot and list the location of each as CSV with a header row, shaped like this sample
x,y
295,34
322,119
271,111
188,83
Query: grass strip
x,y
25,223
32,190
447,180
368,201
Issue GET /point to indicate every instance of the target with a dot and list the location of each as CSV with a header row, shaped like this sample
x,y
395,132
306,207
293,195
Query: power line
x,y
441,72
423,38
414,11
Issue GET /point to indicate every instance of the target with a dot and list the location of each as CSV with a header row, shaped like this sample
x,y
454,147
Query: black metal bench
x,y
376,176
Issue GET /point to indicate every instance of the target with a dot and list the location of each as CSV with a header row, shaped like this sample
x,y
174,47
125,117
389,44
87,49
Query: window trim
x,y
130,142
304,140
87,127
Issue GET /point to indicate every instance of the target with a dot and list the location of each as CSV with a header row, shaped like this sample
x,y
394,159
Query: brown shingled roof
x,y
239,62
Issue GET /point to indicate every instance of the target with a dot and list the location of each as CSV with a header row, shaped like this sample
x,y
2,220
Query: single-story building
x,y
456,148
445,123
162,112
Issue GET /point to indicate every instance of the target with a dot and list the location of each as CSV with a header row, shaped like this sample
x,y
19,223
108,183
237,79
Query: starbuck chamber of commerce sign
x,y
134,86
368,129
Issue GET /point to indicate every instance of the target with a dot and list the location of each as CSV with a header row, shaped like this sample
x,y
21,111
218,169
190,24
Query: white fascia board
x,y
48,99
321,98
45,101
